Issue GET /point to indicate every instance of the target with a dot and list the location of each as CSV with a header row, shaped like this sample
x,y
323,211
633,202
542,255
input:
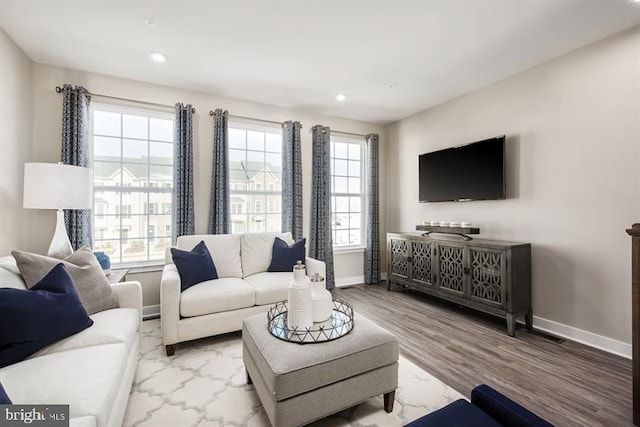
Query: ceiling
x,y
391,59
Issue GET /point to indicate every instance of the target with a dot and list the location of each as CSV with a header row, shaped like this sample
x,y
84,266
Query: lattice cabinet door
x,y
488,273
399,258
451,267
421,256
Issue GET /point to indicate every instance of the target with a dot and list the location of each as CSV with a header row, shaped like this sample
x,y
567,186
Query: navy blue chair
x,y
488,408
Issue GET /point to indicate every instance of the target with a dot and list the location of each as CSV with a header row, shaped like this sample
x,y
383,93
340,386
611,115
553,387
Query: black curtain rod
x,y
211,113
193,110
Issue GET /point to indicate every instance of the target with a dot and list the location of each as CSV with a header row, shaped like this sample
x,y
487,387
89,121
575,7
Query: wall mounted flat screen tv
x,y
474,171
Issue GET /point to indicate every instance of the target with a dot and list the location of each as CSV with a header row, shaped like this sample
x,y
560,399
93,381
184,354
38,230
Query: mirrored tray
x,y
338,325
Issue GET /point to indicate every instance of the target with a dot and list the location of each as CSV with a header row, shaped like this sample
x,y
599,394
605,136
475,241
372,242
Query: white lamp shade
x,y
57,186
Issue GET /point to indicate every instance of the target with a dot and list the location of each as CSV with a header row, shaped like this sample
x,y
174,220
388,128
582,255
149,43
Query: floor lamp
x,y
57,186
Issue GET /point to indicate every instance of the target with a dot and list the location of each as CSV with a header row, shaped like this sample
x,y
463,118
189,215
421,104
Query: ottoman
x,y
300,383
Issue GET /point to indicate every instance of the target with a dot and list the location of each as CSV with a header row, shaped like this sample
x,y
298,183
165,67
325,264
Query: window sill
x,y
139,268
348,250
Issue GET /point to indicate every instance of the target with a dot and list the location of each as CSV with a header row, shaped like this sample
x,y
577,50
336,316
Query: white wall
x,y
47,128
573,180
16,105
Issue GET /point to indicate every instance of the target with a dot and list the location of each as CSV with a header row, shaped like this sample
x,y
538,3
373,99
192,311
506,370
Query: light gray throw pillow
x,y
83,267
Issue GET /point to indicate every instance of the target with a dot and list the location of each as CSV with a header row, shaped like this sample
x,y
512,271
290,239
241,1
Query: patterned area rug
x,y
204,384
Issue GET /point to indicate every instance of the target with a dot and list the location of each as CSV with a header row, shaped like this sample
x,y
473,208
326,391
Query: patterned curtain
x,y
292,179
183,218
320,242
75,151
219,212
372,251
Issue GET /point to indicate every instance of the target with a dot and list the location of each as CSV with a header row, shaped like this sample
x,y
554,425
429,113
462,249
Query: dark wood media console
x,y
487,275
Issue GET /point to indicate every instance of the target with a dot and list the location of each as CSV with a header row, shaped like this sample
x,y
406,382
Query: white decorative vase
x,y
321,298
300,306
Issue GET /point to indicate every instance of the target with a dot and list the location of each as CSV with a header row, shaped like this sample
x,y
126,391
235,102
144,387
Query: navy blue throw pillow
x,y
284,257
35,318
194,266
4,399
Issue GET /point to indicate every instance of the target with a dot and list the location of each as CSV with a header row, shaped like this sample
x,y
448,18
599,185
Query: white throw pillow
x,y
256,250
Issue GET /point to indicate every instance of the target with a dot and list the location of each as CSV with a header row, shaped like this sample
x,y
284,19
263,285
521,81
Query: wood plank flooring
x,y
567,383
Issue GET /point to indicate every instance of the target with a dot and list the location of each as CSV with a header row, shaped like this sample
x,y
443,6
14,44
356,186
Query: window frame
x,y
145,191
248,217
361,142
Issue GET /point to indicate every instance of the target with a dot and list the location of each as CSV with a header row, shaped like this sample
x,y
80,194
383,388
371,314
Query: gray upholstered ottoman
x,y
298,384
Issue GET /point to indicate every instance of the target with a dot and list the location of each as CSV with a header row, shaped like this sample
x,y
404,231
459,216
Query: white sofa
x,y
244,287
91,371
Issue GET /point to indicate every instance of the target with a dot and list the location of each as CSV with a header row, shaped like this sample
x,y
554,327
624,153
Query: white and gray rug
x,y
204,384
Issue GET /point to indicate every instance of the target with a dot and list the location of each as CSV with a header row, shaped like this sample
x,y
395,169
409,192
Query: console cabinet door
x,y
421,257
487,276
450,275
399,258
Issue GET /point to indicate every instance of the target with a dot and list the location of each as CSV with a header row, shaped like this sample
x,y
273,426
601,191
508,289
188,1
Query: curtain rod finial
x,y
211,113
58,89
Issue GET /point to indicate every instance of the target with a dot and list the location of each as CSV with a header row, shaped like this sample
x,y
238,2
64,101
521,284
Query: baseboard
x,y
354,280
584,337
150,311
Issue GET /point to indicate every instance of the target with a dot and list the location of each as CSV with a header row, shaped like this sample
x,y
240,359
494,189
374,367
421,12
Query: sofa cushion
x,y
87,379
83,267
4,398
9,274
458,413
285,256
214,296
35,318
270,287
194,266
256,250
119,325
224,250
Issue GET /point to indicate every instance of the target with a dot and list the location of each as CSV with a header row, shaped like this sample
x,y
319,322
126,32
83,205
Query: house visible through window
x,y
132,154
255,165
347,191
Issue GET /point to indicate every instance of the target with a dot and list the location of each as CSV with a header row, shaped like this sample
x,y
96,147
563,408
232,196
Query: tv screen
x,y
468,172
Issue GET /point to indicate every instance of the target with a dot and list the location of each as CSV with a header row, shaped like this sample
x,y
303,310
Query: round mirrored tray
x,y
338,325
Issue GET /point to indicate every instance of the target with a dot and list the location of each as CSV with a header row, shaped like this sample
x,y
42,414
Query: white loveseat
x,y
91,371
244,287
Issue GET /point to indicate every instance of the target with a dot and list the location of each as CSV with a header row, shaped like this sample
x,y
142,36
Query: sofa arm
x,y
169,304
314,266
505,410
129,295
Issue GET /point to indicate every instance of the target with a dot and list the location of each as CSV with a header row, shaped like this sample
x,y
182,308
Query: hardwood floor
x,y
567,383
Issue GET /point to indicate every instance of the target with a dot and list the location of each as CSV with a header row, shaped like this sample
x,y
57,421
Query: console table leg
x,y
388,401
528,319
511,325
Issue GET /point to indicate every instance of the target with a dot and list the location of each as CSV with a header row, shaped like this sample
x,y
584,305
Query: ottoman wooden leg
x,y
249,381
388,401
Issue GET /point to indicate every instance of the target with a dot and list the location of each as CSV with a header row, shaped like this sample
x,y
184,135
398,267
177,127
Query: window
x,y
132,155
347,191
255,164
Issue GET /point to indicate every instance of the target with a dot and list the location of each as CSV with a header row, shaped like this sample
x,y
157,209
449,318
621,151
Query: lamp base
x,y
60,246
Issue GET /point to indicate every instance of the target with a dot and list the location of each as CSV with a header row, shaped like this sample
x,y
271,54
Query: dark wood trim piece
x,y
634,232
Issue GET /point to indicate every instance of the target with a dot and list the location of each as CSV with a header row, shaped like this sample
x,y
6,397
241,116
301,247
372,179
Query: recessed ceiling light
x,y
150,22
158,57
340,97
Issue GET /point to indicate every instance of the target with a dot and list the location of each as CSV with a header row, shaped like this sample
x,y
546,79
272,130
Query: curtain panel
x,y
320,241
372,250
292,179
75,151
183,217
220,207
